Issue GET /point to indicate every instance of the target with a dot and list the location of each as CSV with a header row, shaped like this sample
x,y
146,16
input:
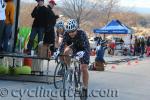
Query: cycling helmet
x,y
60,24
72,25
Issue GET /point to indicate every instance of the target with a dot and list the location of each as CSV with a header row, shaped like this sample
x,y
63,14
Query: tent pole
x,y
104,37
16,23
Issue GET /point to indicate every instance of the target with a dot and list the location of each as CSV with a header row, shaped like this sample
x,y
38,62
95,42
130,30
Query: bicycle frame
x,y
72,75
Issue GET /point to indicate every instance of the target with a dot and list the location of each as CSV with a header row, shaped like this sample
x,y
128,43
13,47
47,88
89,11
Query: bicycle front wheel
x,y
59,76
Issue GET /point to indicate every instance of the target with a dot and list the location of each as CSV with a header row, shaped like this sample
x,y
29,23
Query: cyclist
x,y
60,29
76,41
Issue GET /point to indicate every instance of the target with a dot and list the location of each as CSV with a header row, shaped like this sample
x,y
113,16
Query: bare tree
x,y
78,9
106,8
109,8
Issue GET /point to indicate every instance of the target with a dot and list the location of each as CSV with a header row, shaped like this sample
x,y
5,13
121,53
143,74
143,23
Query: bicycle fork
x,y
77,79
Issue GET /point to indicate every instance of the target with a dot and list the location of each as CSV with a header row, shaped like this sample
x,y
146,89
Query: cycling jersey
x,y
79,43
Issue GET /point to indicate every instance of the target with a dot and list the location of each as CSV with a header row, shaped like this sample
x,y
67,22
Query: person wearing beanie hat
x,y
10,14
52,2
40,2
49,37
39,14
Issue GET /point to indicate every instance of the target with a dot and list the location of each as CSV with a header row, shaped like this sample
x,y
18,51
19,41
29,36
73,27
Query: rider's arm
x,y
85,43
64,41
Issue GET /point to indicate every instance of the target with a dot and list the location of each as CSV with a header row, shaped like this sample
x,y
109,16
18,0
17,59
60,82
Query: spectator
x,y
49,37
148,46
112,46
39,24
142,46
135,46
138,47
121,41
10,12
100,51
2,21
148,42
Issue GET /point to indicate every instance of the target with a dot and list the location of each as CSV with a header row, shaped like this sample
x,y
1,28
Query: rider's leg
x,y
85,78
31,39
84,69
85,74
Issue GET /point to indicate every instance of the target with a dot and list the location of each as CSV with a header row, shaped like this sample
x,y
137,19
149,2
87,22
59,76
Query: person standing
x,y
112,46
10,12
100,51
142,46
136,44
39,14
2,21
49,37
148,46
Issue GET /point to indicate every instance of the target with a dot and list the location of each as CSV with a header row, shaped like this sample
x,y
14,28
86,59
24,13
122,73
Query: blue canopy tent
x,y
114,27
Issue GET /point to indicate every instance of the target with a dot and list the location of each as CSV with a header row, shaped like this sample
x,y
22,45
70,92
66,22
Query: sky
x,y
136,3
141,6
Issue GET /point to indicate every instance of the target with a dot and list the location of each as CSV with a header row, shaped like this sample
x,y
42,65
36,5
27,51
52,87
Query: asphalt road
x,y
124,81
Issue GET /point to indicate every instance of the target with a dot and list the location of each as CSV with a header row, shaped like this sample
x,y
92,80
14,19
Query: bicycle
x,y
70,78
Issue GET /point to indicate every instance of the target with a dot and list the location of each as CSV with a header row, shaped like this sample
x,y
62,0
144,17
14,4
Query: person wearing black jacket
x,y
49,37
39,24
148,47
148,42
142,46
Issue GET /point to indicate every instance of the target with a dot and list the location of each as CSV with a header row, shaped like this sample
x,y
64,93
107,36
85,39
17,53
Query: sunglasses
x,y
71,31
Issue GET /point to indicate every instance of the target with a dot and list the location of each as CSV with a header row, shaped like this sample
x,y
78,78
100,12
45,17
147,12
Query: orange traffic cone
x,y
129,63
113,67
136,61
